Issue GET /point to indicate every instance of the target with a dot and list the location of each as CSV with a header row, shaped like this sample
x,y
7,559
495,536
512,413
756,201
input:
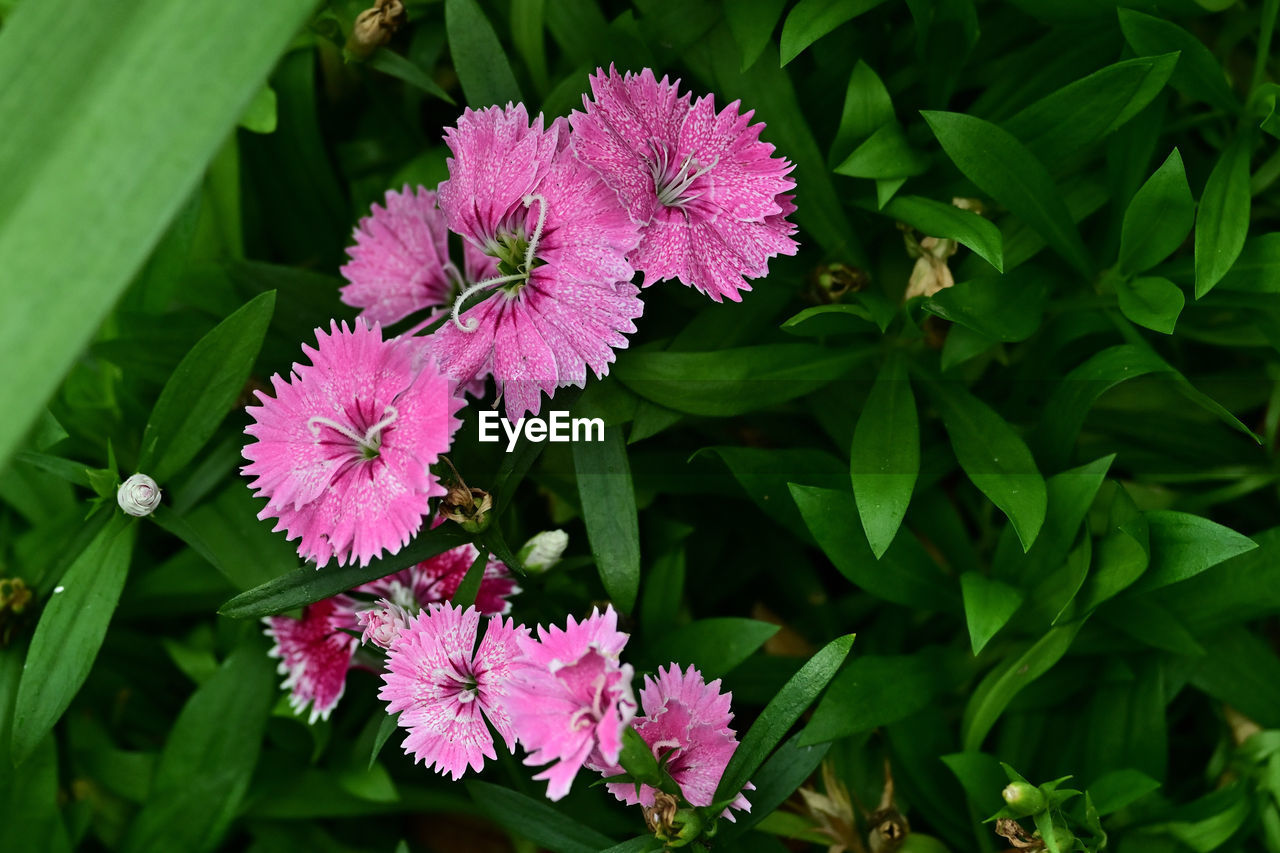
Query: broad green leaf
x,y
1152,625
478,56
1119,788
1206,824
995,458
308,584
988,605
70,633
885,154
1078,115
202,390
1198,74
609,511
1002,167
1123,553
876,690
998,688
1240,669
527,20
714,645
905,574
390,62
1151,302
1184,545
810,20
1158,219
776,781
1257,270
208,758
1222,222
884,459
867,108
113,164
536,820
780,715
736,380
999,307
938,219
32,804
752,23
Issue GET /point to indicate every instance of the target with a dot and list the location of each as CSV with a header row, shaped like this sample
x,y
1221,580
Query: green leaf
x,y
714,645
1222,222
988,605
752,23
1113,791
1084,112
885,154
1002,167
780,715
536,820
527,24
867,108
208,758
70,633
609,512
998,688
905,574
996,460
1184,545
938,219
1240,668
810,20
735,380
260,115
1158,219
478,56
819,321
638,760
884,459
1152,302
465,595
113,164
308,584
202,389
999,307
1198,75
1257,270
390,62
777,779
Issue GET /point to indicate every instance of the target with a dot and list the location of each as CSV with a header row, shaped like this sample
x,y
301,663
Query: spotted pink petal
x,y
315,654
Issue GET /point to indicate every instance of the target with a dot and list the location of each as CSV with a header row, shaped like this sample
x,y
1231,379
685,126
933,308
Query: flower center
x,y
674,185
517,257
368,444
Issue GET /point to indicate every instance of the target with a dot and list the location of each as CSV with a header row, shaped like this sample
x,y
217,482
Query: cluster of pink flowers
x,y
564,695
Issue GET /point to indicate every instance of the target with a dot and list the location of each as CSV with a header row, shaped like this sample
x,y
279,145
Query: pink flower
x,y
445,686
562,300
686,721
713,199
382,624
318,650
344,451
572,698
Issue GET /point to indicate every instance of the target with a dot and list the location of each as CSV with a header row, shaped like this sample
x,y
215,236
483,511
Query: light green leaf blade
x,y
752,23
884,459
988,606
1152,302
1222,222
867,108
609,512
938,219
1158,219
478,57
810,20
1184,545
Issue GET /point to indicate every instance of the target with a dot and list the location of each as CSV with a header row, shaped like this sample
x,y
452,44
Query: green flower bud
x,y
1023,799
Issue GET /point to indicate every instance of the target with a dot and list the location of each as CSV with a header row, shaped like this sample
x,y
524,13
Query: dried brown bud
x,y
659,817
374,27
832,281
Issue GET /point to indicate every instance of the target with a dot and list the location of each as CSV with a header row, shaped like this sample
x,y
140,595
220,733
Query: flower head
x,y
711,197
572,698
544,550
138,496
686,722
561,300
318,650
444,686
344,450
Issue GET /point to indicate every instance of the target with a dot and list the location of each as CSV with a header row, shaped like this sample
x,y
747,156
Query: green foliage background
x,y
1044,499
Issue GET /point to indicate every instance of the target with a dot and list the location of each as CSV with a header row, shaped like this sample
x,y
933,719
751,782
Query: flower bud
x,y
383,623
1023,799
139,495
543,551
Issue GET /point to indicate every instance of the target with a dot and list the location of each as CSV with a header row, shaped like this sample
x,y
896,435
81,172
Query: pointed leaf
x,y
1158,219
1152,302
810,20
885,456
536,820
1222,222
1198,74
988,605
609,510
478,57
938,219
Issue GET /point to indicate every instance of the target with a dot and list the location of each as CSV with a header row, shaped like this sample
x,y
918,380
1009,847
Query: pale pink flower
x,y
444,686
562,300
571,698
344,450
382,623
686,722
318,650
713,198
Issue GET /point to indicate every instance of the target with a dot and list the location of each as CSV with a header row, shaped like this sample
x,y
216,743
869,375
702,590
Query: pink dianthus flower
x,y
562,300
344,450
444,686
572,698
711,196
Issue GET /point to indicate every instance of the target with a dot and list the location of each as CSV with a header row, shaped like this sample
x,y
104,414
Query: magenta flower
x,y
444,686
317,651
344,451
562,300
572,698
686,721
711,197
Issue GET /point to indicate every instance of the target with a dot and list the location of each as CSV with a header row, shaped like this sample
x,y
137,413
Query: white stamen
x,y
372,438
532,248
674,192
472,323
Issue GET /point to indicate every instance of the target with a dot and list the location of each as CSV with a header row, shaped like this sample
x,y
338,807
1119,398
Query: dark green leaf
x,y
715,645
998,307
1240,669
465,595
1152,302
1119,788
478,56
1158,219
937,219
820,321
390,62
867,108
776,780
609,511
1184,545
810,20
1222,222
1198,74
885,456
752,23
536,820
885,154
1257,270
988,605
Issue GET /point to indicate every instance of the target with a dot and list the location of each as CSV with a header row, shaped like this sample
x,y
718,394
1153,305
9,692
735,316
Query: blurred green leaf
x,y
885,456
752,23
1222,222
1198,74
810,20
390,62
1152,302
609,511
478,57
536,820
714,646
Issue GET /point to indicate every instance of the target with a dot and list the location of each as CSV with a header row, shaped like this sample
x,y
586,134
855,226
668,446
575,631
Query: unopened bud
x,y
139,495
543,551
1023,799
375,27
383,624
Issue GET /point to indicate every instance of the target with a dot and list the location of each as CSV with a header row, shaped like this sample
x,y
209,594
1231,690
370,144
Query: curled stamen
x,y
532,248
372,435
370,441
316,421
472,324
